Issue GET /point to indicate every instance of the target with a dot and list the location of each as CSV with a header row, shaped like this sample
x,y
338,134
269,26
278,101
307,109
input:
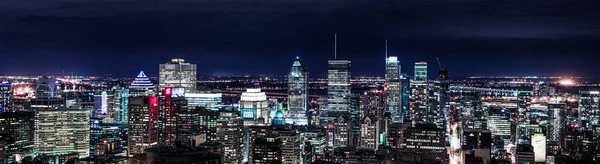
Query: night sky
x,y
471,37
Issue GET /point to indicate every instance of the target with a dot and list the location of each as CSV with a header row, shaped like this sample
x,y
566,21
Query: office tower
x,y
143,123
230,132
441,103
208,124
342,131
253,133
476,146
291,148
212,101
105,132
298,94
103,103
356,117
17,132
189,127
254,106
524,106
338,87
63,130
589,109
420,95
426,139
267,150
525,154
556,112
141,86
47,87
323,114
369,133
393,89
177,74
499,124
405,102
395,135
372,102
525,131
538,141
6,97
170,104
121,102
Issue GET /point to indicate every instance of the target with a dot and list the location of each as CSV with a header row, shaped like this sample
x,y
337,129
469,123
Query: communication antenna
x,y
386,56
335,47
439,64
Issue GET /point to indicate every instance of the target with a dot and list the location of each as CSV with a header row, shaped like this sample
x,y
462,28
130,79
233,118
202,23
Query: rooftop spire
x,y
335,47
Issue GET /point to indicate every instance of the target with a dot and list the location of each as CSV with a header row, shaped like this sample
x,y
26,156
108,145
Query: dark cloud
x,y
550,37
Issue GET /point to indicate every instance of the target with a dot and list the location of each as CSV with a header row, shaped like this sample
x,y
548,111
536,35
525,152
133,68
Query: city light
x,y
567,82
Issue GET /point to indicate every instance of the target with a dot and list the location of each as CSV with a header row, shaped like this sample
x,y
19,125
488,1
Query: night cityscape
x,y
299,82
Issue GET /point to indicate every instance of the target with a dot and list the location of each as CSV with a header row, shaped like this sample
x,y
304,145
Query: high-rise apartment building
x,y
393,89
143,123
298,94
178,74
230,132
63,130
589,109
420,95
338,87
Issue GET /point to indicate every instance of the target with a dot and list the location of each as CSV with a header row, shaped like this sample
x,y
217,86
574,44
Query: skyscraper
x,y
442,99
63,130
6,97
254,106
369,133
230,132
47,87
298,93
143,123
420,95
17,132
121,102
556,112
141,86
393,89
167,119
338,87
178,74
589,109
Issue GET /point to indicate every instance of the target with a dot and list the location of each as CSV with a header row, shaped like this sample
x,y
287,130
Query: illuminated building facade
x,y
420,95
141,86
143,123
6,98
177,74
253,133
499,124
524,105
369,133
556,112
17,133
53,123
338,87
589,109
298,94
476,146
372,103
121,102
291,149
254,106
170,104
426,139
393,89
230,132
103,105
406,93
342,131
441,98
204,100
356,117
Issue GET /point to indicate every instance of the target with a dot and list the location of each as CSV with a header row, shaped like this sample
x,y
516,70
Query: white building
x,y
254,106
211,101
178,74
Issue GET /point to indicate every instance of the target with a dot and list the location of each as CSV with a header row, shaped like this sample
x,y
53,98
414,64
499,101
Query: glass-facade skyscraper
x,y
6,97
393,89
589,109
338,87
420,96
177,74
298,93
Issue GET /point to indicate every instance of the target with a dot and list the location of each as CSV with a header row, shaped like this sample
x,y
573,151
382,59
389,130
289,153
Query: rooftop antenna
x,y
439,64
335,47
386,49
